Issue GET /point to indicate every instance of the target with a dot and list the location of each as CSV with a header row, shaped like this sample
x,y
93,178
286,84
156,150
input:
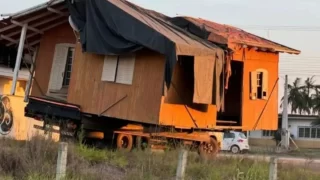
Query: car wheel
x,y
235,149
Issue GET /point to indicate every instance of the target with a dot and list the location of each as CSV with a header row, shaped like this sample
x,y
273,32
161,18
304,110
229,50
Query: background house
x,y
13,123
300,126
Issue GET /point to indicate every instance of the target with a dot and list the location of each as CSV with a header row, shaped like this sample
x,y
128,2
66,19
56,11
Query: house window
x,y
259,84
309,132
268,133
67,72
61,67
118,69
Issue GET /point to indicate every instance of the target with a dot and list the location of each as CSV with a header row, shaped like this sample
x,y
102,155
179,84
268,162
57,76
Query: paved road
x,y
297,161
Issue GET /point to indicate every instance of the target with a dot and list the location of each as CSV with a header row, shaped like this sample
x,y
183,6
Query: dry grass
x,y
36,160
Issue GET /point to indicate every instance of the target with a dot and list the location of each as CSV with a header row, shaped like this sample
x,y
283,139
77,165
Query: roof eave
x,y
32,9
271,49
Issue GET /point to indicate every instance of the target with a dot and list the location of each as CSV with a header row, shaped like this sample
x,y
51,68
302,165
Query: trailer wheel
x,y
124,142
209,150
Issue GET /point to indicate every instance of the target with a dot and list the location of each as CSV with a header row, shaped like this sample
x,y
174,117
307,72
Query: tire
x,y
209,150
124,142
235,149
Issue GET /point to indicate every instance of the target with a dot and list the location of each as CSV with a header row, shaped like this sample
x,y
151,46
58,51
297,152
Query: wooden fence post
x,y
183,155
62,161
273,175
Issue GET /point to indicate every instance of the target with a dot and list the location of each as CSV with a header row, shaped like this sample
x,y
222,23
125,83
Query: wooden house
x,y
137,66
143,71
251,93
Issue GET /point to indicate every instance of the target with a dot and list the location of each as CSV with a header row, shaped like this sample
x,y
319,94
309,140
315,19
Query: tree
x,y
296,99
307,102
316,100
303,98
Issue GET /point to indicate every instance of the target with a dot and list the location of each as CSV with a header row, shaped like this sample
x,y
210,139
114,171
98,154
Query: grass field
x,y
36,160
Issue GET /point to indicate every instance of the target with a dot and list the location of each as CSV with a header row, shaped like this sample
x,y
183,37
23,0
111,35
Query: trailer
x,y
121,133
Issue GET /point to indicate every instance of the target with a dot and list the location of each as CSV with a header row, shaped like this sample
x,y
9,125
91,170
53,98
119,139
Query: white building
x,y
303,133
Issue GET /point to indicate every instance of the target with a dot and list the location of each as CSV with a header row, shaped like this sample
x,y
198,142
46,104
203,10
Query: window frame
x,y
66,80
268,133
53,77
310,128
117,70
259,84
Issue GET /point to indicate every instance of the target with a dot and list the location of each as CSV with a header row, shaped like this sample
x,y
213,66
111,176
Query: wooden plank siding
x,y
143,99
251,109
60,34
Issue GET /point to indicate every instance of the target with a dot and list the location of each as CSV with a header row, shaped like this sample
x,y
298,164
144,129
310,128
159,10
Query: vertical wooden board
x,y
58,66
203,79
265,84
253,85
109,68
126,69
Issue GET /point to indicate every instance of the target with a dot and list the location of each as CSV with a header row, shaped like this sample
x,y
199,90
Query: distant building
x,y
302,132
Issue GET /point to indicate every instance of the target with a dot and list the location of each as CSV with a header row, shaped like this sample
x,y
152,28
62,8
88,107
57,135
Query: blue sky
x,y
302,14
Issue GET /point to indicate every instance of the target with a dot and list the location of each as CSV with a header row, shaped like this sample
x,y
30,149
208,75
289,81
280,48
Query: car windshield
x,y
242,136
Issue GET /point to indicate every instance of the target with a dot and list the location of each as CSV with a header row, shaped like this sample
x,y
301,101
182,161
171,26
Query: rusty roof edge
x,y
32,9
283,49
294,51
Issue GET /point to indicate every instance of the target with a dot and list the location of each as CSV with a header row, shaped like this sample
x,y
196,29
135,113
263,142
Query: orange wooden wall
x,y
251,109
177,107
60,34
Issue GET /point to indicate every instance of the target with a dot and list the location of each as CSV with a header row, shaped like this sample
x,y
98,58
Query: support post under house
x,y
19,58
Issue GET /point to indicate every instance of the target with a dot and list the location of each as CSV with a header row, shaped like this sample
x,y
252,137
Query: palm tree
x,y
307,103
316,101
296,98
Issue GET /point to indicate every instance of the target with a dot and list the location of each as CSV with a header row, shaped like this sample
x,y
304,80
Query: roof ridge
x,y
251,35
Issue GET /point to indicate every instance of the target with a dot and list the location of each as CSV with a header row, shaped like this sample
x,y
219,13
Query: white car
x,y
235,142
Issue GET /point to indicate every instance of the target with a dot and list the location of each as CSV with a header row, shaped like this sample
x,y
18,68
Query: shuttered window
x,y
259,84
109,68
58,68
118,69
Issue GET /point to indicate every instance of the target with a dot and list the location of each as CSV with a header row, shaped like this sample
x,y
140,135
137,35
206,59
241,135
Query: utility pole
x,y
284,137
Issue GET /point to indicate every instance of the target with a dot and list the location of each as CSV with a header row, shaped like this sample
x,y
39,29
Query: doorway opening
x,y
233,98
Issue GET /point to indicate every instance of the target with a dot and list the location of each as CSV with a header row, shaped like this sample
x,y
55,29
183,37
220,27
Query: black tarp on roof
x,y
117,26
106,29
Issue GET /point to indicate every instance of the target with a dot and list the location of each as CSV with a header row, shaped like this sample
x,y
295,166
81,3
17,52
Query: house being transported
x,y
115,68
251,95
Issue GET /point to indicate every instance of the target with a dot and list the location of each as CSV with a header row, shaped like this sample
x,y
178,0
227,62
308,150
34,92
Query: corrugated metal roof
x,y
186,43
239,36
37,17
